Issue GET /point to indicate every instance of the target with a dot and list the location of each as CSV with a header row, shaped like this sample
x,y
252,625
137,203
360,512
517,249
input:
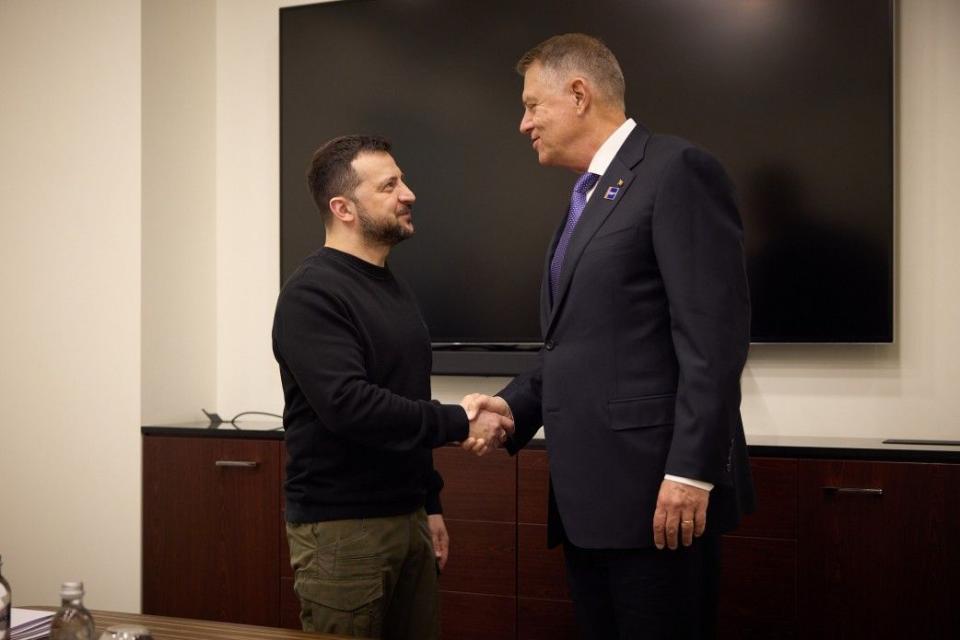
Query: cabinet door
x,y
210,544
544,606
474,616
879,550
478,586
289,601
758,588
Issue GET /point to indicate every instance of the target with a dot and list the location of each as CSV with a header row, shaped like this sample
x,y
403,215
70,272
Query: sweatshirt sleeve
x,y
316,340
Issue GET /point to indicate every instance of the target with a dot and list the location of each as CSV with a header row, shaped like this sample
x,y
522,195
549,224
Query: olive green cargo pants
x,y
369,578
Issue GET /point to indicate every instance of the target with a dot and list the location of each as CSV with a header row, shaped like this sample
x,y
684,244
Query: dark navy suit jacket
x,y
643,349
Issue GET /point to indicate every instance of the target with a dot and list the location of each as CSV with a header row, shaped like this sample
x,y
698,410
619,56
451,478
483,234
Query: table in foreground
x,y
164,628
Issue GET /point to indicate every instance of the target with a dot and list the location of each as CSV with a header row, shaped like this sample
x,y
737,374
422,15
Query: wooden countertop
x,y
164,628
773,446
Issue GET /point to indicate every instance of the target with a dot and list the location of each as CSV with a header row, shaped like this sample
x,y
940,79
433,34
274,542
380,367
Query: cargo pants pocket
x,y
346,606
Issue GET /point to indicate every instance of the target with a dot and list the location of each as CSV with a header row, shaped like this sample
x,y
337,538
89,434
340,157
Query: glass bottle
x,y
72,621
6,602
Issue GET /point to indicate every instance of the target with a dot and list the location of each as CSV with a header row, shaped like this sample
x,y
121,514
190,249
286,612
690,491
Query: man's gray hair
x,y
579,53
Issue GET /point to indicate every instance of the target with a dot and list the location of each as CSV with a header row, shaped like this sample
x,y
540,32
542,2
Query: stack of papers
x,y
27,624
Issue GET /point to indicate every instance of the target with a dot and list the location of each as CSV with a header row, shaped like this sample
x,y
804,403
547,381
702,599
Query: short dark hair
x,y
331,173
578,52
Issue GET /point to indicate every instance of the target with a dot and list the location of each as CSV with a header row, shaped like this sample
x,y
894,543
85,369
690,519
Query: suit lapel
x,y
618,176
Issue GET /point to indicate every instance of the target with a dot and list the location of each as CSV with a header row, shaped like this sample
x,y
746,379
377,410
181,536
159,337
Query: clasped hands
x,y
491,422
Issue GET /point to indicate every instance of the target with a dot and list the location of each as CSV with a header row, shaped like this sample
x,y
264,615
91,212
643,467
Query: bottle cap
x,y
71,590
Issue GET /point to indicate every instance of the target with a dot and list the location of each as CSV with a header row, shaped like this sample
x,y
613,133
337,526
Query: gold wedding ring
x,y
686,522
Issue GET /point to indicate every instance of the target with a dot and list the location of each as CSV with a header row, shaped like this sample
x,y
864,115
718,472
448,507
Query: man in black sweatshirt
x,y
363,513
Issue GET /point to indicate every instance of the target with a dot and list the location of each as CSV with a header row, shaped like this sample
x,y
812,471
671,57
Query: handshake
x,y
491,422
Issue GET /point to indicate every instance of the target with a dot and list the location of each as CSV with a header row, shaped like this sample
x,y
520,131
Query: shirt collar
x,y
611,146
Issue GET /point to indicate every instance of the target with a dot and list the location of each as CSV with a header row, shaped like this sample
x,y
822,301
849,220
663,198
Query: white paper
x,y
26,616
28,624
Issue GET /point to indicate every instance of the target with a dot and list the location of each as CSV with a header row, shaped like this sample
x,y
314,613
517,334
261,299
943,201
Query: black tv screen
x,y
795,97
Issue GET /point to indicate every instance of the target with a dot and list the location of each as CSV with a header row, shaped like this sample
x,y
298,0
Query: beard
x,y
387,231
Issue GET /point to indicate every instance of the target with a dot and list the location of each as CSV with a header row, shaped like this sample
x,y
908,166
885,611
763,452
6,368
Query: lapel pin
x,y
611,193
620,182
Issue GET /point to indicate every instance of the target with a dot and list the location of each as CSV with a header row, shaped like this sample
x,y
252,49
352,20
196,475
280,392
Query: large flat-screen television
x,y
795,97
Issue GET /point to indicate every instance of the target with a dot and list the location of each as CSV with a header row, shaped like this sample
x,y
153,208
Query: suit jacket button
x,y
550,344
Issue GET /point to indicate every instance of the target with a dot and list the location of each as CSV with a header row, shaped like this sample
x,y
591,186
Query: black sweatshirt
x,y
355,361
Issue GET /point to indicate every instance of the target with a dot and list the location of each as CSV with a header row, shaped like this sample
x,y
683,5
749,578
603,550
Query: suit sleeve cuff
x,y
699,484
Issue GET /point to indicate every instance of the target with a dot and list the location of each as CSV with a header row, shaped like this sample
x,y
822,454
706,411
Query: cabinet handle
x,y
248,464
853,491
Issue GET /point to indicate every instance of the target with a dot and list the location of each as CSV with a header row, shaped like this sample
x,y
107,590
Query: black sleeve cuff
x,y
432,505
454,426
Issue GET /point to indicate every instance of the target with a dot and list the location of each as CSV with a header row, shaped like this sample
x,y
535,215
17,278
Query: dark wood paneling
x,y
286,570
209,533
775,482
289,605
815,565
477,488
879,566
469,616
482,558
540,571
533,479
758,592
546,620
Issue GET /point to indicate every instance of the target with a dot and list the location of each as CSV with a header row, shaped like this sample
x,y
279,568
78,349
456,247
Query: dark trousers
x,y
653,594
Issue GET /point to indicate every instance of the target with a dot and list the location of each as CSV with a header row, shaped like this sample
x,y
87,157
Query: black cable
x,y
233,420
216,420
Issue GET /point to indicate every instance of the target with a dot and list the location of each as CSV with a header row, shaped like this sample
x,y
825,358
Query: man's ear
x,y
342,209
581,94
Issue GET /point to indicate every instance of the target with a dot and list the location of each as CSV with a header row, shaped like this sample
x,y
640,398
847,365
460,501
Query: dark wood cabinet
x,y
210,543
758,589
880,551
544,605
478,587
289,601
846,546
824,555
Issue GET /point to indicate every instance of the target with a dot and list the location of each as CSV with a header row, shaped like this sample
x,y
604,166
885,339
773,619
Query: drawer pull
x,y
853,491
247,464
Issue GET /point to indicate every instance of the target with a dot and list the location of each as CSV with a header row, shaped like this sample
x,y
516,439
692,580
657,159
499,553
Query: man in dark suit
x,y
645,315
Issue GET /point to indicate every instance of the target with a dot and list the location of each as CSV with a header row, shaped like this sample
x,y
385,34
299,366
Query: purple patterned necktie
x,y
578,200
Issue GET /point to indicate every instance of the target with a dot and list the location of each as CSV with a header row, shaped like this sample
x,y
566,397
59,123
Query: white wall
x,y
248,202
179,311
907,389
70,298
